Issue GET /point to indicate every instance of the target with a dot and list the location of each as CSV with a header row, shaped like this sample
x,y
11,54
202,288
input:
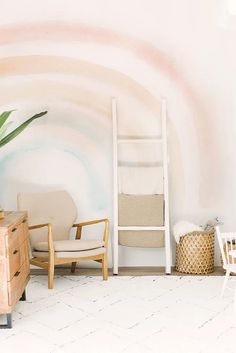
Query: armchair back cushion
x,y
55,207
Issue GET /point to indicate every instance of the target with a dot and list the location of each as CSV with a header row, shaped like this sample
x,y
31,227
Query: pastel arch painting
x,y
73,71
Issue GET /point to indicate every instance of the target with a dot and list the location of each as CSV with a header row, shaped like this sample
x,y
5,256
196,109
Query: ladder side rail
x,y
115,187
166,188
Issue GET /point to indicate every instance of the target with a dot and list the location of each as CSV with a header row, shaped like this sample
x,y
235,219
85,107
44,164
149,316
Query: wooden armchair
x,y
51,216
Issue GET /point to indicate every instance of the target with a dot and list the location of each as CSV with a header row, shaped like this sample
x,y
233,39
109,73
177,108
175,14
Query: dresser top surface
x,y
12,218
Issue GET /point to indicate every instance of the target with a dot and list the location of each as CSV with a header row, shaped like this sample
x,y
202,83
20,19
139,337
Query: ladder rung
x,y
140,228
140,140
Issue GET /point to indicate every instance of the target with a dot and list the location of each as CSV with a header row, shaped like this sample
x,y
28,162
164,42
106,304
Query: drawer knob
x,y
17,273
15,252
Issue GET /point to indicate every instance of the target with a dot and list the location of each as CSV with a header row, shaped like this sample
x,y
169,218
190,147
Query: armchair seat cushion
x,y
70,245
70,254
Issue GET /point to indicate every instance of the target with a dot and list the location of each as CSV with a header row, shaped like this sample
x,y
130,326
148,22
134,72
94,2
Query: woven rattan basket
x,y
195,253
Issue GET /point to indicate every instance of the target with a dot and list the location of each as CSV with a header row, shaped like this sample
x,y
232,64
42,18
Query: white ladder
x,y
166,227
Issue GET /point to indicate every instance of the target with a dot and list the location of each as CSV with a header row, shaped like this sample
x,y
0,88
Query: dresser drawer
x,y
16,258
16,236
24,252
17,283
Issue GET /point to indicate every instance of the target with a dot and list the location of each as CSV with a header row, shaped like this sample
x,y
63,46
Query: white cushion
x,y
71,254
70,245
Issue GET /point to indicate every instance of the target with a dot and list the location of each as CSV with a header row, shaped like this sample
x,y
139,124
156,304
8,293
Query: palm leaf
x,y
4,129
19,129
4,116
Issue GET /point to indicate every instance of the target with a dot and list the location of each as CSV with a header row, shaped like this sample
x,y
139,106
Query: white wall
x,y
70,57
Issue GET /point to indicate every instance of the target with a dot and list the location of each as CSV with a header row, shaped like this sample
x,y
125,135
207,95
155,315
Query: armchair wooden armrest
x,y
36,226
88,223
50,239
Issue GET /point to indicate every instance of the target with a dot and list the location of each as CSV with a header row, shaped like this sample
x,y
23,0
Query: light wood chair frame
x,y
51,260
228,257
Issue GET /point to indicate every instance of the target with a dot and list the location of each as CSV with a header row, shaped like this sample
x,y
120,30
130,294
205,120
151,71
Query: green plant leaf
x,y
19,129
4,116
4,129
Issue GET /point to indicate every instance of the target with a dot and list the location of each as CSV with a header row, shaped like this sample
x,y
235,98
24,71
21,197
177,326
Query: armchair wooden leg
x,y
73,267
104,267
50,273
50,277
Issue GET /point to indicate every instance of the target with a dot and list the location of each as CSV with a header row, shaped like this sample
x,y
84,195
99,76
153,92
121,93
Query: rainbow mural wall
x,y
72,69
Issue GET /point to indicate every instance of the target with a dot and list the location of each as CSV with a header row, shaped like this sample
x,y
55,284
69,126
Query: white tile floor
x,y
166,314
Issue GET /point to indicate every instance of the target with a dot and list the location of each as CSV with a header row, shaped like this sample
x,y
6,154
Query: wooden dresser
x,y
14,262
